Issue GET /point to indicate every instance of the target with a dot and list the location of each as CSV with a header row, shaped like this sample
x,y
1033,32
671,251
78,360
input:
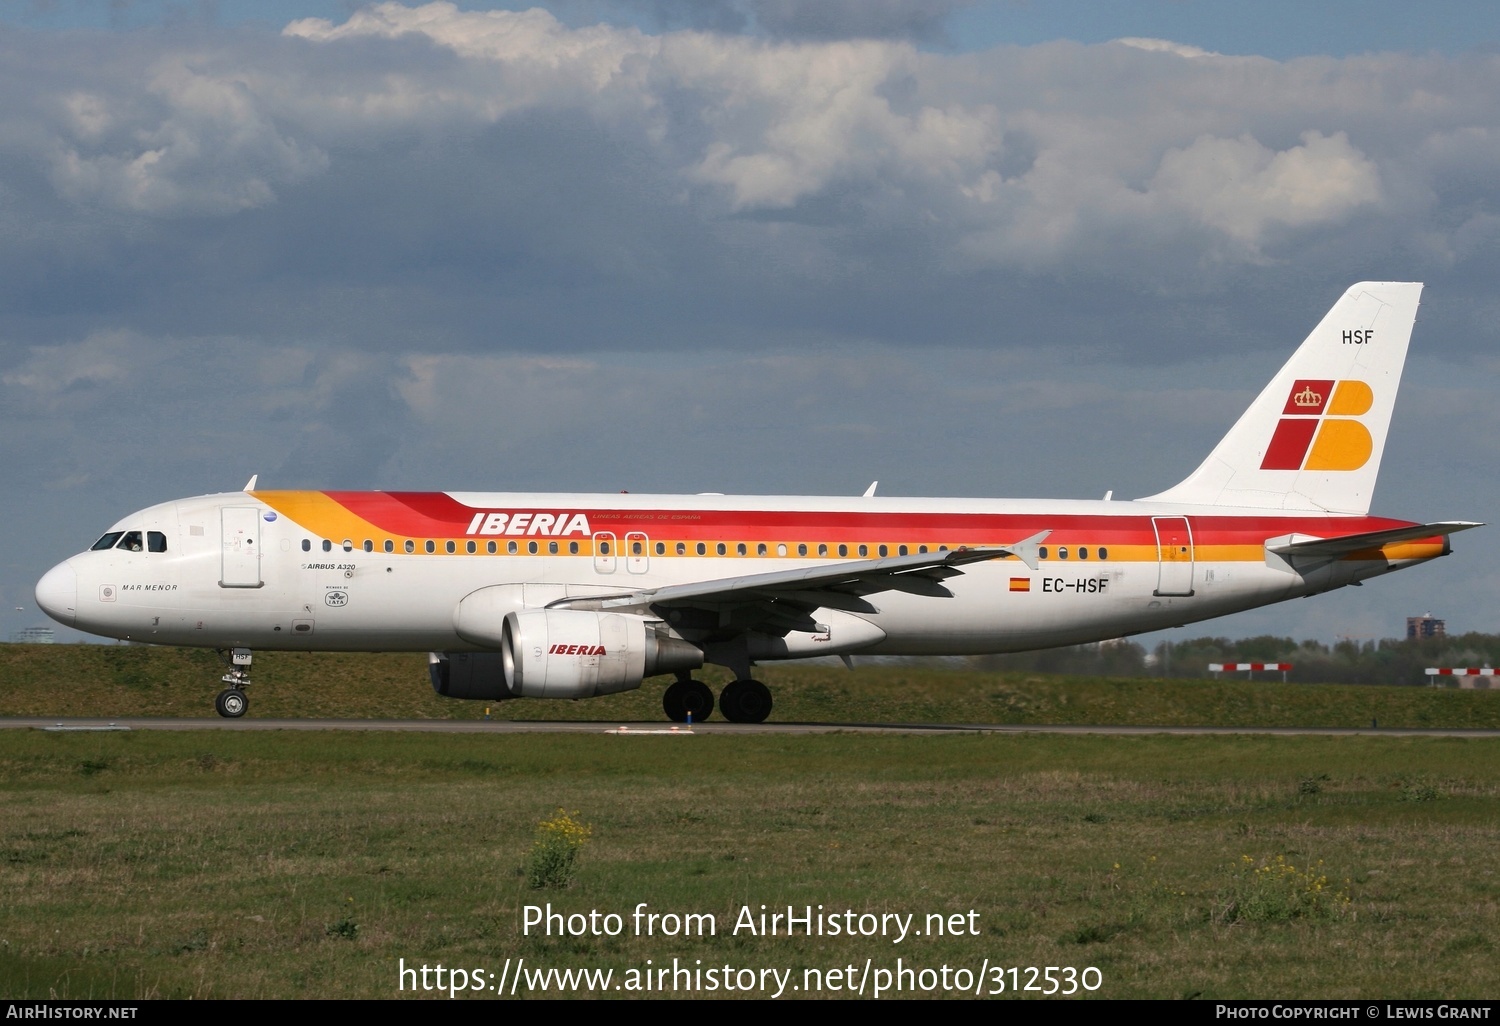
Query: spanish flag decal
x,y
1020,584
1317,430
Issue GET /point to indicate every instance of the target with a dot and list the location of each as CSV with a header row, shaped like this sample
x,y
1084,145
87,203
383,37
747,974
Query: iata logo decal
x,y
582,650
1315,432
548,525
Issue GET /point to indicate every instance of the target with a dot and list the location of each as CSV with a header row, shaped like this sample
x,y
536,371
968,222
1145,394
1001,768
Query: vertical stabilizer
x,y
1313,439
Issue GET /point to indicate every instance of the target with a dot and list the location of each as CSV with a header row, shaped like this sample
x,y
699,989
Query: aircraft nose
x,y
57,593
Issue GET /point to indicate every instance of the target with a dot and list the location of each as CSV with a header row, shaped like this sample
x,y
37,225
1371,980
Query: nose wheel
x,y
231,703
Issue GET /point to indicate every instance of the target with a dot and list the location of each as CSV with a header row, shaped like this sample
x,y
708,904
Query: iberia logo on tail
x,y
1317,430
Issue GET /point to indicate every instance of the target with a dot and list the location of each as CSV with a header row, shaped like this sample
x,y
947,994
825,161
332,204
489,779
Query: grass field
x,y
309,864
120,680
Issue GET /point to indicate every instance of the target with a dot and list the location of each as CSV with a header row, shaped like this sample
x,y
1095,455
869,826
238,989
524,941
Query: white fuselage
x,y
312,572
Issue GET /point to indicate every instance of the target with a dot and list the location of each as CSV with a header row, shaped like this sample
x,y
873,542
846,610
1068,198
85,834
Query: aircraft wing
x,y
839,586
1333,548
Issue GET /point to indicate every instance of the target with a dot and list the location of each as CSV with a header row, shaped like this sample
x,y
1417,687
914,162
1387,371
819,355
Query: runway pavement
x,y
654,729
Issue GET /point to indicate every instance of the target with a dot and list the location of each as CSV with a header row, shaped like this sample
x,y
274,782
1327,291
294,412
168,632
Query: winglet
x,y
250,484
1026,550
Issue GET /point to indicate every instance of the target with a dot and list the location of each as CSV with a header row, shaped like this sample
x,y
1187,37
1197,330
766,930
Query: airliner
x,y
541,595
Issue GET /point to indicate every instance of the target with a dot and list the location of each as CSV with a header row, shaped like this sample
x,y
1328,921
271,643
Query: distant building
x,y
33,636
1427,626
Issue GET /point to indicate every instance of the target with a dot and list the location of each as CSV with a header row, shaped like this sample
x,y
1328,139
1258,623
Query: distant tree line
x,y
1389,661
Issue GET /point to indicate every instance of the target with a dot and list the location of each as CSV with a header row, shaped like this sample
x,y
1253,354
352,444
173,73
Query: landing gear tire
x,y
745,701
231,703
684,697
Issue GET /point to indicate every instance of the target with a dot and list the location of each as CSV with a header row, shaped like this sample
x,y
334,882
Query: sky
x,y
753,246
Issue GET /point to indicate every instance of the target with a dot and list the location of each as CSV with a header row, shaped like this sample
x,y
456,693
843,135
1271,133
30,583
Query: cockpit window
x,y
131,542
156,541
107,542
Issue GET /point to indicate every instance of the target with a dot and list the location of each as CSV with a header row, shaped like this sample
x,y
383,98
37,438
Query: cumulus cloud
x,y
1241,187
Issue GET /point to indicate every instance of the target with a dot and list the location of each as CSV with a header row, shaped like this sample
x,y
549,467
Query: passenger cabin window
x,y
721,548
682,548
390,546
348,545
1083,552
661,548
411,546
552,548
1041,552
1103,552
490,547
510,547
306,544
327,545
369,545
740,548
760,550
431,546
843,550
802,548
572,548
1062,552
450,547
107,542
822,550
864,550
604,548
884,551
531,547
901,550
156,541
471,547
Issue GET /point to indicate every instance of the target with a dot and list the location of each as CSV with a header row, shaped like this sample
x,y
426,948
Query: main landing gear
x,y
745,701
231,703
686,698
741,701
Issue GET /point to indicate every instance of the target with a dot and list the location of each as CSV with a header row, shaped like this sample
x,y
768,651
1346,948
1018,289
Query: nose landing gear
x,y
231,703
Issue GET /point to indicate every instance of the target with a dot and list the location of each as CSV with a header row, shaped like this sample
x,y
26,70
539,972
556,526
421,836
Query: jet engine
x,y
564,653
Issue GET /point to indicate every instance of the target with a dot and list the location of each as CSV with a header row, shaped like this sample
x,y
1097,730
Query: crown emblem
x,y
1307,397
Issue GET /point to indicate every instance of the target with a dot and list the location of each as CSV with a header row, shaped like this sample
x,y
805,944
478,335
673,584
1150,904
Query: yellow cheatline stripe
x,y
1408,550
320,515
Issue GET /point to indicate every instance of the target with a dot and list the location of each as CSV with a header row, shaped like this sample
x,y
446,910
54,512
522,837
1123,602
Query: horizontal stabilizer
x,y
1301,545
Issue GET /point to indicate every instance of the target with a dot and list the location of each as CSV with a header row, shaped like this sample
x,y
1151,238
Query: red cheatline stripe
x,y
438,515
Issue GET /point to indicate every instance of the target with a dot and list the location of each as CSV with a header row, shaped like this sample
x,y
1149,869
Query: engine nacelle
x,y
562,653
576,653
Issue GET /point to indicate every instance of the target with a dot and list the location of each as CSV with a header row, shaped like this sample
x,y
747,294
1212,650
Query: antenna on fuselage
x,y
870,491
250,484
